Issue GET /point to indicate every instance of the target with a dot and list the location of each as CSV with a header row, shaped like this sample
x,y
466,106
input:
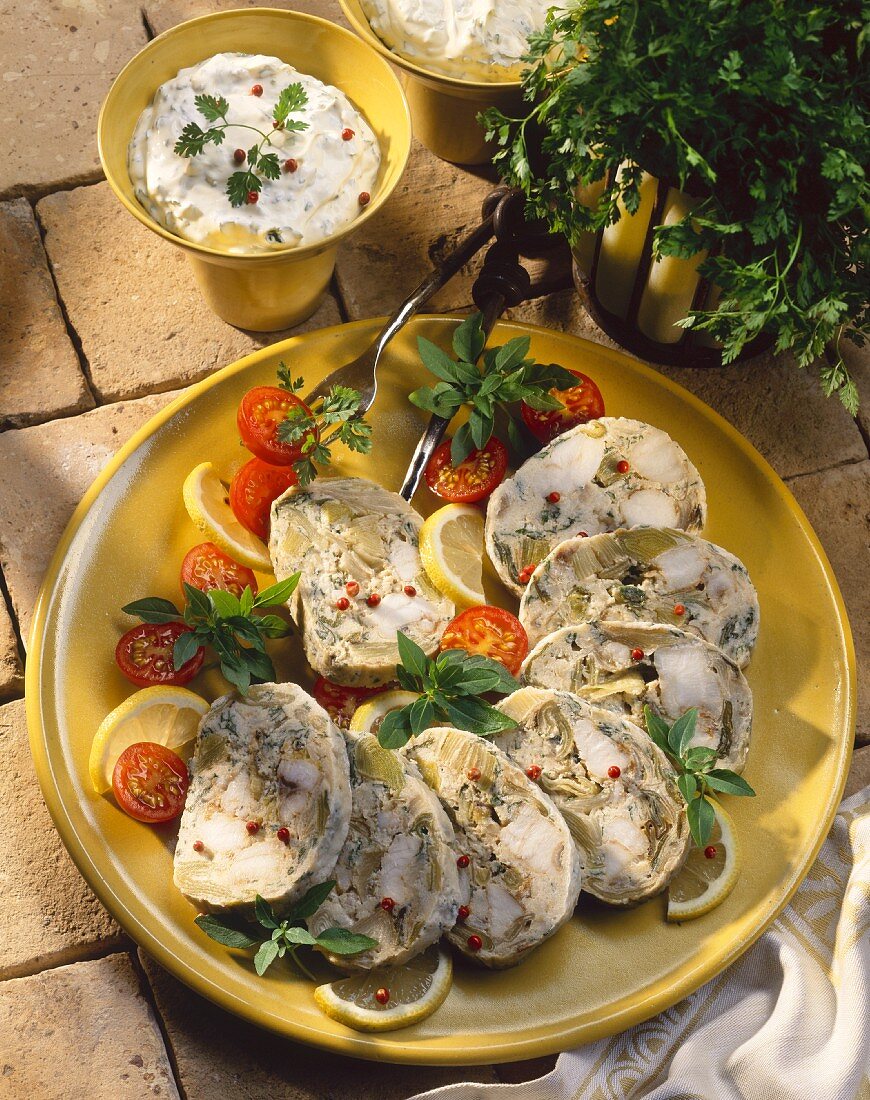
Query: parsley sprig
x,y
505,375
228,624
260,165
450,686
696,775
768,128
285,936
338,411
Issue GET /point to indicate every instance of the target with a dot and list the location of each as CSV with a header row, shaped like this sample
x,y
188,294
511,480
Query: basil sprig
x,y
696,775
505,375
450,686
228,624
285,936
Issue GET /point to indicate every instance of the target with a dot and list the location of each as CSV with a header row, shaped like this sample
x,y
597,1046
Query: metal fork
x,y
361,373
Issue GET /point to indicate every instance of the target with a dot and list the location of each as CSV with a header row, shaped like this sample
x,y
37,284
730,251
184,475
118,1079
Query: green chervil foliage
x,y
758,107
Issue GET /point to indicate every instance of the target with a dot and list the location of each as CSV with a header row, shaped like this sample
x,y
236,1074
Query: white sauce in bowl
x,y
187,195
480,40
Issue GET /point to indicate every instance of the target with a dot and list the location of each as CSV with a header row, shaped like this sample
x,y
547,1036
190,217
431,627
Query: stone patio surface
x,y
100,326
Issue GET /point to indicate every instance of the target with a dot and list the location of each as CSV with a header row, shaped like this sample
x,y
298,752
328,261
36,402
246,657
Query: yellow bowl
x,y
444,109
270,290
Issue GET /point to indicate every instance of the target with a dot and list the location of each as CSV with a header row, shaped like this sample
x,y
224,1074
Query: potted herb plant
x,y
715,153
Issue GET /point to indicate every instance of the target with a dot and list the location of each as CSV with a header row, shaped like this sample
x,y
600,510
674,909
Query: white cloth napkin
x,y
790,1020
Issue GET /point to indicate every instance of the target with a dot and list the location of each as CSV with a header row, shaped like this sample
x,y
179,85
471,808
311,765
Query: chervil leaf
x,y
212,107
270,166
292,98
238,186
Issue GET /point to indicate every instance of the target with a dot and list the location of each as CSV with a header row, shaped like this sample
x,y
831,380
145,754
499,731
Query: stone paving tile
x,y
133,302
82,1030
59,61
44,472
837,503
11,678
859,773
40,376
219,1055
163,14
435,204
858,361
47,911
778,407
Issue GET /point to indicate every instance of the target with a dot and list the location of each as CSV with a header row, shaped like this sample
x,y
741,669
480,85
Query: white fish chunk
x,y
630,828
608,473
678,670
349,530
523,874
275,759
399,847
642,575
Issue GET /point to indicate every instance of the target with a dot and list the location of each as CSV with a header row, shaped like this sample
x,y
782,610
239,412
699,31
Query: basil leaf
x,y
273,626
153,610
657,728
699,758
312,900
468,338
395,730
197,601
440,364
246,601
277,593
341,941
299,936
221,931
682,732
264,913
413,658
462,445
688,785
224,603
512,353
186,646
478,717
266,955
701,817
421,714
721,779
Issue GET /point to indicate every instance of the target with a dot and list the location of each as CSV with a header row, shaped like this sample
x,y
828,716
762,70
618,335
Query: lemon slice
x,y
205,498
451,548
368,716
166,715
414,991
706,880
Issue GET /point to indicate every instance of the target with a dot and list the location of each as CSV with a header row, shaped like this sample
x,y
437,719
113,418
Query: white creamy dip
x,y
467,39
318,191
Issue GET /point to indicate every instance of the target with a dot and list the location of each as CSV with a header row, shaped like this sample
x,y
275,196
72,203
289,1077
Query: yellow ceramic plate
x,y
605,970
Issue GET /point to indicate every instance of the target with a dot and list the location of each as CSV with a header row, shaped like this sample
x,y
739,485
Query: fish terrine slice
x,y
396,877
629,825
274,760
606,474
624,667
519,870
645,575
349,531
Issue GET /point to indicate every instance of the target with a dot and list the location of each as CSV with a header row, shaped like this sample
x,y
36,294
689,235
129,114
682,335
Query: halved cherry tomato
x,y
473,479
206,566
581,403
252,491
261,410
491,631
150,782
339,701
144,655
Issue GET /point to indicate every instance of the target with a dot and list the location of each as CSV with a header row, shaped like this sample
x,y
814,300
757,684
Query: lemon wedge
x,y
368,716
165,715
451,549
709,874
205,498
411,993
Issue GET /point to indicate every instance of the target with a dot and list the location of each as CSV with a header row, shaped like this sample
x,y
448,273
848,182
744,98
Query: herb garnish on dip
x,y
188,186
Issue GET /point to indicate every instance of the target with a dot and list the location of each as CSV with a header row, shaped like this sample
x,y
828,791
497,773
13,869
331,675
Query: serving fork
x,y
361,373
